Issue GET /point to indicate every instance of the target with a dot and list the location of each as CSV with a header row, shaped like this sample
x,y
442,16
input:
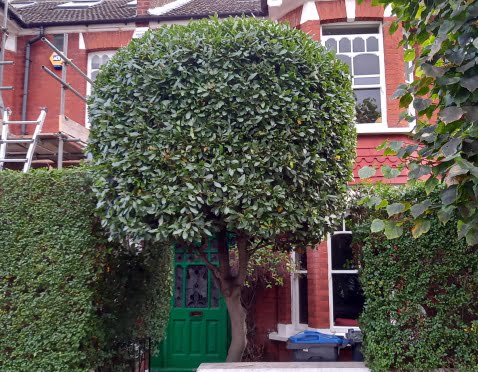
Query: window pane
x,y
331,44
348,298
359,45
301,261
346,59
342,254
196,286
344,46
94,74
368,108
95,62
303,300
104,59
367,81
347,30
372,44
366,64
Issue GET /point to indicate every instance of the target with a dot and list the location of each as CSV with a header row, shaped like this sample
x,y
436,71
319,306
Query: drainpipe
x,y
26,77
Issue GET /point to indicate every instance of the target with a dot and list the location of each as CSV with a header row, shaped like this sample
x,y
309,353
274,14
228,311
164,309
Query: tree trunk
x,y
237,314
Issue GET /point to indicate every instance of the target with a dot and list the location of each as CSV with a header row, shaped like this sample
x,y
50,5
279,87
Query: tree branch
x,y
242,243
203,256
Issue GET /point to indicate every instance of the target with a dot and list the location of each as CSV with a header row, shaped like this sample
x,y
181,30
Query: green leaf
x,y
389,172
430,185
377,225
451,114
395,208
393,230
409,55
470,83
421,227
366,172
449,195
420,208
421,104
445,214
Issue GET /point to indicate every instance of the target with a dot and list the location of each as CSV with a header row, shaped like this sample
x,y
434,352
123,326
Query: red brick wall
x,y
293,17
318,286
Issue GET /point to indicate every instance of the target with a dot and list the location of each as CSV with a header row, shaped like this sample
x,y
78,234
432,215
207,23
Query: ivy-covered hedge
x,y
421,294
69,300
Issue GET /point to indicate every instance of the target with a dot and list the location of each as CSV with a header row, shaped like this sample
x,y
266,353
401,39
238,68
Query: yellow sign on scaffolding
x,y
56,61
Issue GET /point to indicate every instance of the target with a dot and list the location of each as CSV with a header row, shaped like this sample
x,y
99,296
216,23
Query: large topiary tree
x,y
237,125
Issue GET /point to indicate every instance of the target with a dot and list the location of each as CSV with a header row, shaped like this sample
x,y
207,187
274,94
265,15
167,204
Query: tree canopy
x,y
239,126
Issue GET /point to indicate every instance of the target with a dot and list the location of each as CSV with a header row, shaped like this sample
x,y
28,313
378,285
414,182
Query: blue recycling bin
x,y
312,346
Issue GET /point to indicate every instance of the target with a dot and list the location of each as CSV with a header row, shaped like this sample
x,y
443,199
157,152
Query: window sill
x,y
381,128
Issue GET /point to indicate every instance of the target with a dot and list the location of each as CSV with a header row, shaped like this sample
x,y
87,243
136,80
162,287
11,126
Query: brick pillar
x,y
394,71
318,286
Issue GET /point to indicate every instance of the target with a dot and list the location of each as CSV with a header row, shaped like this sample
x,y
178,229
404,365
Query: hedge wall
x,y
68,299
421,295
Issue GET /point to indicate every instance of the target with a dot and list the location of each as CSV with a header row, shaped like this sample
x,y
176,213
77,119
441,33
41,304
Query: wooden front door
x,y
198,326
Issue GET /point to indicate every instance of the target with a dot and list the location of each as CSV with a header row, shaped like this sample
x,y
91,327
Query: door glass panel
x,y
196,286
366,64
179,257
372,44
359,45
368,108
178,286
344,45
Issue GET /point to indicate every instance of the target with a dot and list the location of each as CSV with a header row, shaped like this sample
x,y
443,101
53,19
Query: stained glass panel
x,y
178,287
196,286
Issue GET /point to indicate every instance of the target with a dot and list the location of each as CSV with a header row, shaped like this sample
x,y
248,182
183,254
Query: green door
x,y
198,326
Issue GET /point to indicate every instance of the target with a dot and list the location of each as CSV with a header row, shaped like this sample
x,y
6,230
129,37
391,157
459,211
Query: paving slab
x,y
284,367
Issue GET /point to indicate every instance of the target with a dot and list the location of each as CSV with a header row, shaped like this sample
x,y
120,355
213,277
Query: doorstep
x,y
284,367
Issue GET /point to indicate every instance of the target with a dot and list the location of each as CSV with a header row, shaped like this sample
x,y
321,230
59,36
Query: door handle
x,y
195,313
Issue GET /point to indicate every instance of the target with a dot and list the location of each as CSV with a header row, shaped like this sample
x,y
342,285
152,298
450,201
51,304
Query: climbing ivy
x,y
421,293
69,300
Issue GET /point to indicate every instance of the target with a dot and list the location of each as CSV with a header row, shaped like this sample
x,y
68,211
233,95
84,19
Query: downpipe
x,y
26,77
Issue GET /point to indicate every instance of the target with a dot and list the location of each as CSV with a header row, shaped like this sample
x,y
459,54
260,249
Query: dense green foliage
x,y
70,301
442,41
241,124
421,294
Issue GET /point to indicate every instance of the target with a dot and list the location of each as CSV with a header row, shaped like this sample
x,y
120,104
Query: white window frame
x,y
366,127
295,302
333,327
110,53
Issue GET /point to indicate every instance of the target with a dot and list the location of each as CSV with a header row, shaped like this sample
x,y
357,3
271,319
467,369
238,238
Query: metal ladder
x,y
32,142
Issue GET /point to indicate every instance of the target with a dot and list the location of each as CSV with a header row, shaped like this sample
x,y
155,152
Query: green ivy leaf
x,y
451,114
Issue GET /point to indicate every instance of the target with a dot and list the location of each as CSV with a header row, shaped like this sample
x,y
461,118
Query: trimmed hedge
x,y
421,294
68,299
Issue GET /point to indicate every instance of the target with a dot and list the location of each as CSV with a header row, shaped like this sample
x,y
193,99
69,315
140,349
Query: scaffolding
x,y
40,149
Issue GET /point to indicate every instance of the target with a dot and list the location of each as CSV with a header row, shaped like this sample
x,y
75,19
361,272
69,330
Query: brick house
x,y
310,298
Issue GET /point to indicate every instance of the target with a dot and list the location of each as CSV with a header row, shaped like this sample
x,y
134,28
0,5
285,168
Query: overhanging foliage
x,y
442,41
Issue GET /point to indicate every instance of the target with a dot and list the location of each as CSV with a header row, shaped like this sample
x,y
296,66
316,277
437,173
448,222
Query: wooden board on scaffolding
x,y
71,135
